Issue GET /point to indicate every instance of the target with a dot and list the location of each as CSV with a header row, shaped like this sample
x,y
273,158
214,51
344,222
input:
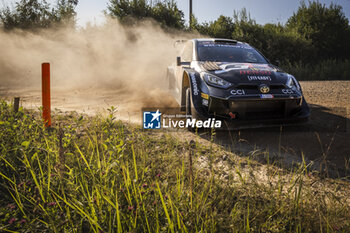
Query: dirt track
x,y
324,140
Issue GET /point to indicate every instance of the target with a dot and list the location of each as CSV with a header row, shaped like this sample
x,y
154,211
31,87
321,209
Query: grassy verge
x,y
324,70
97,174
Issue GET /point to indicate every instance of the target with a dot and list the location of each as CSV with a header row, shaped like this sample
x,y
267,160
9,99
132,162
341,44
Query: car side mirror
x,y
178,61
277,62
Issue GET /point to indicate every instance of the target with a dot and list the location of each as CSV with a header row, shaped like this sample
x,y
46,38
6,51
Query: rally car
x,y
231,80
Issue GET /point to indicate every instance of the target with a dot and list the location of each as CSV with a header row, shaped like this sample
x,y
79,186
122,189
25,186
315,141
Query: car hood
x,y
251,73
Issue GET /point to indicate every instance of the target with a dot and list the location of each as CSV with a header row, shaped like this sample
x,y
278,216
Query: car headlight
x,y
292,82
215,81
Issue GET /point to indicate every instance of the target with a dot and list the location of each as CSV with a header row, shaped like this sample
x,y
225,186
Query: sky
x,y
263,11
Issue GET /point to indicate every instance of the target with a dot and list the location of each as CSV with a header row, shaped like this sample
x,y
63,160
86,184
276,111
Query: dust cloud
x,y
97,66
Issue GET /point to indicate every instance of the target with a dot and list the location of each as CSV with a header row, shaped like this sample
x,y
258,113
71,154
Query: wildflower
x,y
154,203
11,206
158,175
144,185
130,207
52,204
22,221
12,220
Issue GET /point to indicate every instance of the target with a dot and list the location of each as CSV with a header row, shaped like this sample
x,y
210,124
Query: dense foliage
x,y
313,34
35,14
165,12
327,28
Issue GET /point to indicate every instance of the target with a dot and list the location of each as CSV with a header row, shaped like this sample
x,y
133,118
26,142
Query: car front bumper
x,y
274,110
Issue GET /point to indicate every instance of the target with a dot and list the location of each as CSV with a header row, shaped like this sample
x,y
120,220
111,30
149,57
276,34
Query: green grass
x,y
324,70
97,174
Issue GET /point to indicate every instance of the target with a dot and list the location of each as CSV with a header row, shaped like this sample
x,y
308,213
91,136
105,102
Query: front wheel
x,y
190,110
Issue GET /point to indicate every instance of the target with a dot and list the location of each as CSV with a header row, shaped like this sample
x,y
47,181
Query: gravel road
x,y
325,139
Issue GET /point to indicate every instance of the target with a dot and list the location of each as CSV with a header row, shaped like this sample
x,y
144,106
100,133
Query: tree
x,y
247,30
165,12
326,27
223,27
27,14
34,14
66,10
126,9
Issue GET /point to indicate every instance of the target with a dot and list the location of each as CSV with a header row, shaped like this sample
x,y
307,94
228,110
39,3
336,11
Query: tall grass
x,y
97,174
324,70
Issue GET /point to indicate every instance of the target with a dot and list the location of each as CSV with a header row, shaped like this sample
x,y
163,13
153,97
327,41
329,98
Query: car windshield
x,y
228,52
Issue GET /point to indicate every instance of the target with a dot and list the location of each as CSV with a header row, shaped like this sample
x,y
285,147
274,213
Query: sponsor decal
x,y
205,102
255,72
204,43
151,120
194,84
264,89
245,68
266,96
287,91
204,96
223,44
260,78
237,92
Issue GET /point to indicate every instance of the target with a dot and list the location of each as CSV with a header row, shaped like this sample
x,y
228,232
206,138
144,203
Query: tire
x,y
189,108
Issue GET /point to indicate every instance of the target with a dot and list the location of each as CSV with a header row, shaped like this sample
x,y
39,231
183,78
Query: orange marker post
x,y
45,86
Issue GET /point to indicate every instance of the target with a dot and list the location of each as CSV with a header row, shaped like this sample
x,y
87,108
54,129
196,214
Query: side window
x,y
187,52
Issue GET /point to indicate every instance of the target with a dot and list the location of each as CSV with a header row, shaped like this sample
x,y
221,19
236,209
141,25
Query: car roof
x,y
217,40
211,40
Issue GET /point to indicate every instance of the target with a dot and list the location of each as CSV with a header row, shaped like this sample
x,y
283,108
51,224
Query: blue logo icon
x,y
151,120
